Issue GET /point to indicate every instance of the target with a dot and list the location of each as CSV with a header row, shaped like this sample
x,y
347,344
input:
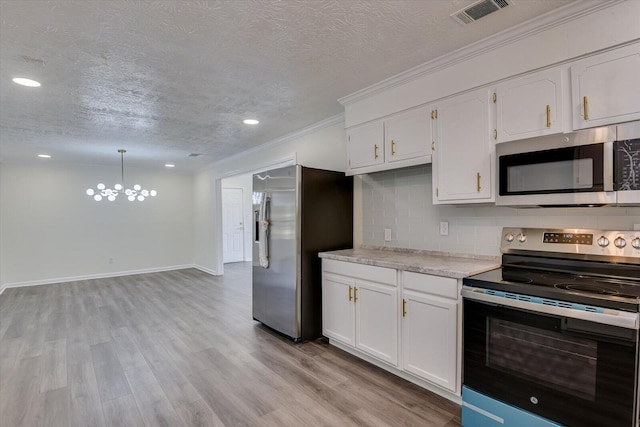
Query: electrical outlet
x,y
387,234
444,228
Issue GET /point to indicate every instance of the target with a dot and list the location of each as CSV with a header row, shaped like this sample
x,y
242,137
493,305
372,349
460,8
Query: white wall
x,y
52,231
321,146
401,200
244,182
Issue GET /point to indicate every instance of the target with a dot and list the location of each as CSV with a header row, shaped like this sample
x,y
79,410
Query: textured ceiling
x,y
167,78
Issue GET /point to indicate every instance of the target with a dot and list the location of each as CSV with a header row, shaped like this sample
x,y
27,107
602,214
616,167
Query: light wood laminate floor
x,y
180,348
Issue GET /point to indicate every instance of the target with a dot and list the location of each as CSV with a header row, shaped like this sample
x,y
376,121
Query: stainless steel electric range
x,y
551,337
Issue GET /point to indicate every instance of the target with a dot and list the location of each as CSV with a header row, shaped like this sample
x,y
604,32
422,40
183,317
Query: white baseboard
x,y
207,270
454,397
100,276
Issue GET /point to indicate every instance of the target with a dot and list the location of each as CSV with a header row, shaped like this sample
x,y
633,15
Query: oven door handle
x,y
611,317
584,329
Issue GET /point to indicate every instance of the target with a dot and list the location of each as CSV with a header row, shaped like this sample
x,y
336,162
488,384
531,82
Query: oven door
x,y
557,170
572,371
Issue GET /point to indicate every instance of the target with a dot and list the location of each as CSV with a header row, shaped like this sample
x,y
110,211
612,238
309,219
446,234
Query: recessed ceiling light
x,y
44,156
250,121
26,82
169,165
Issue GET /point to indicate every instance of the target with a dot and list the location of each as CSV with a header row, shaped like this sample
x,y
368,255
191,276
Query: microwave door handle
x,y
607,169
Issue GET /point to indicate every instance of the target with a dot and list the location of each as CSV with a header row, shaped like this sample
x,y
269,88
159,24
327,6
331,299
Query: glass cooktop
x,y
605,292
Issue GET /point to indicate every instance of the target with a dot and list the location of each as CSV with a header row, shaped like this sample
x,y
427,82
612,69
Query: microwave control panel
x,y
627,165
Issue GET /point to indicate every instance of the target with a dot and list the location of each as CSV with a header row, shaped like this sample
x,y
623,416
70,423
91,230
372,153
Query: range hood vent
x,y
478,10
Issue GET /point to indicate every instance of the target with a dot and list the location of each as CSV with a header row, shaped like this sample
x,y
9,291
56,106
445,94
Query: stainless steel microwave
x,y
593,167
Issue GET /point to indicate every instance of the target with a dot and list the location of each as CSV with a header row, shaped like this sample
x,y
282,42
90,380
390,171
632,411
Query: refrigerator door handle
x,y
263,235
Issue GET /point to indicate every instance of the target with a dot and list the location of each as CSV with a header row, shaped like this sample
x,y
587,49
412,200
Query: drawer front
x,y
360,271
436,285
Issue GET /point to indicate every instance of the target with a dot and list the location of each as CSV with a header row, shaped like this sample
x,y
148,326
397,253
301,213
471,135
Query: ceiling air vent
x,y
478,10
194,155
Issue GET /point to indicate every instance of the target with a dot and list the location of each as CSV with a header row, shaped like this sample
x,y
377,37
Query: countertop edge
x,y
425,269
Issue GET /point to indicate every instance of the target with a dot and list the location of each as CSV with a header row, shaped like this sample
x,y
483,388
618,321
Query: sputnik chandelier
x,y
137,193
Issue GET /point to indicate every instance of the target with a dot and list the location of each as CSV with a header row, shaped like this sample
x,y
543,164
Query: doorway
x,y
232,225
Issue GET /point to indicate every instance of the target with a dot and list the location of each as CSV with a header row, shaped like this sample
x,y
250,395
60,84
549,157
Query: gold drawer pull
x,y
585,104
393,147
350,293
375,151
548,116
478,181
355,294
404,307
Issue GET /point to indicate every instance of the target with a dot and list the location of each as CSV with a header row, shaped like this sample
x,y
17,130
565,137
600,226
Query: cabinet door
x,y
377,321
605,88
429,338
365,145
338,309
408,135
530,106
462,159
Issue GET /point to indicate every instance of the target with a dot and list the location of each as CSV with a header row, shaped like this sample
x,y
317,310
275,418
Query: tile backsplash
x,y
401,201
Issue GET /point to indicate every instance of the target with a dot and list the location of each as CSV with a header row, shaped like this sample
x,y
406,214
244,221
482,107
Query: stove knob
x,y
522,237
509,237
620,242
603,242
636,243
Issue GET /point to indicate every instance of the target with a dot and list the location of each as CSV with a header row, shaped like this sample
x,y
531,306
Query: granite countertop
x,y
429,262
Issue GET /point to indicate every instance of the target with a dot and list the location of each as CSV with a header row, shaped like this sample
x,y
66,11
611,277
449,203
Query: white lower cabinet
x,y
360,308
338,310
409,321
429,332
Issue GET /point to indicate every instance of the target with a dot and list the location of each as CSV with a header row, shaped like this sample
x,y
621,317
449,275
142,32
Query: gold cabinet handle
x,y
350,292
375,151
393,147
478,181
585,105
433,146
548,116
434,114
355,294
404,307
495,134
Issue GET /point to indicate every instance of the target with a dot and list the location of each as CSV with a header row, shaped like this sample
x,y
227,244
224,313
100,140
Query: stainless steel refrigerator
x,y
298,212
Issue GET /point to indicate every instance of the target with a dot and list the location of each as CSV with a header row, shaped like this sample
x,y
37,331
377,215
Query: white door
x,y
377,320
429,327
463,152
605,88
338,309
365,145
530,106
232,225
408,135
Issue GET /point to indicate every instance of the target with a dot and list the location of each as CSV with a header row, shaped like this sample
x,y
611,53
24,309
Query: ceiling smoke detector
x,y
478,10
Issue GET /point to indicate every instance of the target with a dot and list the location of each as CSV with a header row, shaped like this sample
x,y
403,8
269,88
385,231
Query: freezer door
x,y
275,287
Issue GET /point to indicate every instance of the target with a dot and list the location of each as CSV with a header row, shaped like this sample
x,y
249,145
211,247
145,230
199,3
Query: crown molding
x,y
333,120
511,35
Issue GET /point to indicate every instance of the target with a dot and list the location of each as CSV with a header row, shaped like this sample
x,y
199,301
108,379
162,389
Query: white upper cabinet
x,y
408,135
605,88
365,145
462,156
530,106
400,140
